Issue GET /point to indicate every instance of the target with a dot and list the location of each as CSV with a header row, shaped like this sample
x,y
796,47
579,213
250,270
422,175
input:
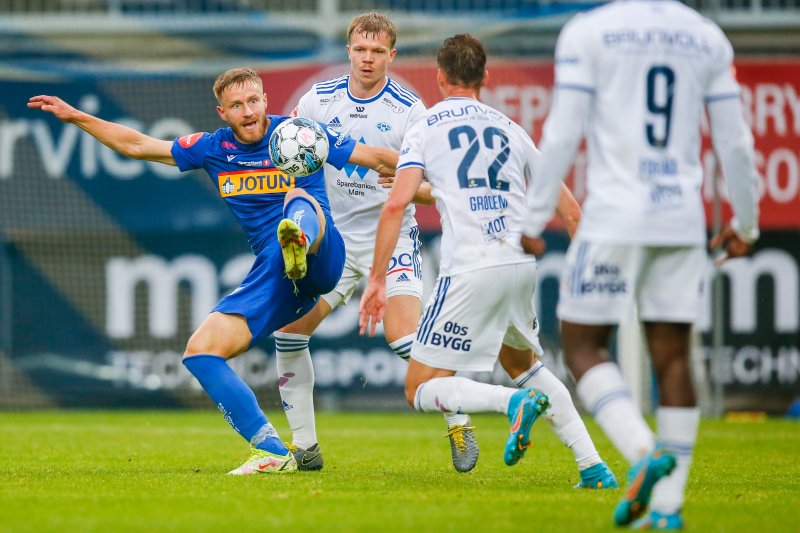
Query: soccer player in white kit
x,y
638,74
368,105
377,111
477,162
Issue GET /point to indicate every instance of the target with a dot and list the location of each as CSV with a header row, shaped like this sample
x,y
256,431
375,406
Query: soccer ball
x,y
298,146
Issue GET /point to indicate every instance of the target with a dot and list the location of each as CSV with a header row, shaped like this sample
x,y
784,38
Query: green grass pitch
x,y
164,471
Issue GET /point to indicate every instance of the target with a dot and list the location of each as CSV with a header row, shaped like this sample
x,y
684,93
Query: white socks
x,y
604,392
562,416
677,434
402,346
296,385
455,394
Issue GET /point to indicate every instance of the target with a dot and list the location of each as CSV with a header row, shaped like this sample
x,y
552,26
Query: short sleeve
x,y
414,114
411,150
305,107
190,151
573,58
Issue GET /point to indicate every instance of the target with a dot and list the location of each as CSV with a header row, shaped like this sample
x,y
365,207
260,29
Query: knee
x,y
197,344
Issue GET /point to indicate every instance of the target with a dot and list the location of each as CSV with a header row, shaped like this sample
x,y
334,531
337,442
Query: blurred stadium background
x,y
108,264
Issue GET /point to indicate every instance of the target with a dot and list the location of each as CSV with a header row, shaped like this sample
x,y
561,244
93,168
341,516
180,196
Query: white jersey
x,y
650,67
356,197
478,163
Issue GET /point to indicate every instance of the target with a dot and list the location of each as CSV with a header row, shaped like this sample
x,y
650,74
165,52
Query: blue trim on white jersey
x,y
575,87
367,100
403,95
411,164
335,88
332,81
718,97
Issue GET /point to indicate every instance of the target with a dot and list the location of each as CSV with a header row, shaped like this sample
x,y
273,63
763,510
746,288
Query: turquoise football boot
x,y
659,522
642,477
524,408
597,476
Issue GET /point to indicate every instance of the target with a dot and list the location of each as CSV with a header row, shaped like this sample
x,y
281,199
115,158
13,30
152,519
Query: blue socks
x,y
304,214
236,401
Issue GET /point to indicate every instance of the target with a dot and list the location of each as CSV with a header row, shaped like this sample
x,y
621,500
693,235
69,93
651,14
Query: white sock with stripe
x,y
677,434
562,416
456,394
604,392
402,346
296,386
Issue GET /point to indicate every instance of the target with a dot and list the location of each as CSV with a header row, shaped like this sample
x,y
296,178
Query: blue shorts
x,y
266,298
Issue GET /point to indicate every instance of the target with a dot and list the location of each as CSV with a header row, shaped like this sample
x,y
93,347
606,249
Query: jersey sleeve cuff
x,y
749,235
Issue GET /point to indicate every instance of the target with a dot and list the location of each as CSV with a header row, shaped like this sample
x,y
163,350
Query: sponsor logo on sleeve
x,y
188,140
397,108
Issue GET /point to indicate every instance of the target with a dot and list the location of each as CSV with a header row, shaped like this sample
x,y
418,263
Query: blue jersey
x,y
254,191
246,179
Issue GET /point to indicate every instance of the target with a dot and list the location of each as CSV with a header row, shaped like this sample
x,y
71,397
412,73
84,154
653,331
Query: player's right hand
x,y
373,306
533,245
731,245
54,105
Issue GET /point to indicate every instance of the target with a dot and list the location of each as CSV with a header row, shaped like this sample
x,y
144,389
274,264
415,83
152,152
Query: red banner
x,y
523,91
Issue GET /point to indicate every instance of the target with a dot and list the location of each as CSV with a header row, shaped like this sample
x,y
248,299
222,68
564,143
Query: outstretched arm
x,y
121,139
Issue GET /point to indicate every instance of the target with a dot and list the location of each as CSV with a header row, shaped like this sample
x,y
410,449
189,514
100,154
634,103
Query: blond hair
x,y
236,76
372,24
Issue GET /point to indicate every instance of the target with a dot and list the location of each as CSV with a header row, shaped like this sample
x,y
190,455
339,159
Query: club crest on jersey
x,y
383,126
254,182
228,145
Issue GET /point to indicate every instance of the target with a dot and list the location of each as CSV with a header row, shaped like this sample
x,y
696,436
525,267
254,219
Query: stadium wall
x,y
107,264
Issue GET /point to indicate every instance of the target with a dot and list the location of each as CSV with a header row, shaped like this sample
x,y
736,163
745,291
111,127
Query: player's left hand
x,y
533,245
373,306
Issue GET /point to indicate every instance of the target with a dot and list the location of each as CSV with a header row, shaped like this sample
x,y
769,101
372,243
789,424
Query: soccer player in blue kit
x,y
281,216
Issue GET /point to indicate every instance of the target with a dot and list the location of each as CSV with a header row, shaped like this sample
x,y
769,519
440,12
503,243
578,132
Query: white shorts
x,y
470,315
403,277
601,282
